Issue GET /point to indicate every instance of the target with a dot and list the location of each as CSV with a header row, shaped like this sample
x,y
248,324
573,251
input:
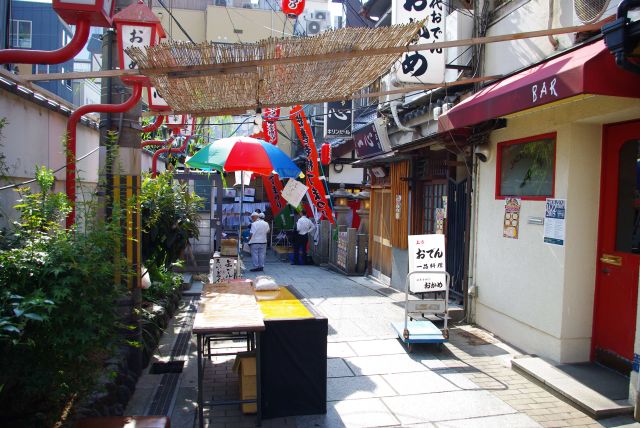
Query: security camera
x,y
482,153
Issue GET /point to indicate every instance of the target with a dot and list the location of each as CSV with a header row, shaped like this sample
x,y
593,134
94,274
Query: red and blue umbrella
x,y
244,154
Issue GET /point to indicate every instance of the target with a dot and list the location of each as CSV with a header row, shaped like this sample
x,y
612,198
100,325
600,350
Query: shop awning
x,y
380,159
587,70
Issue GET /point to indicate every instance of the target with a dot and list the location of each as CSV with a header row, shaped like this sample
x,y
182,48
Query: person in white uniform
x,y
304,227
258,241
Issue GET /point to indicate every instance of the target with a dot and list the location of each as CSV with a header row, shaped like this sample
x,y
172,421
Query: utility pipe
x,y
71,140
64,54
157,142
153,126
156,155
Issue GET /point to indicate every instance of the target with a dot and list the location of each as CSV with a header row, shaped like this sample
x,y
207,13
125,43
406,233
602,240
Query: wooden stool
x,y
126,422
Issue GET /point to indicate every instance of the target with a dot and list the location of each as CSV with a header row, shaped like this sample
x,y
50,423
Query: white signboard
x,y
132,35
426,306
242,177
427,253
293,192
155,100
555,221
426,66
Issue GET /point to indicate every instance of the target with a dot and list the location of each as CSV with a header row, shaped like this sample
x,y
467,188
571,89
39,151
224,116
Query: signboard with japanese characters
x,y
138,36
339,119
427,253
426,66
367,142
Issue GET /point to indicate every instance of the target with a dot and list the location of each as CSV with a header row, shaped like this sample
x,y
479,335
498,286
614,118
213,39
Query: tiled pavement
x,y
374,382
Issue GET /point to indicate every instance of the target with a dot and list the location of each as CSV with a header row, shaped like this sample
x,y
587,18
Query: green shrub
x,y
57,308
169,220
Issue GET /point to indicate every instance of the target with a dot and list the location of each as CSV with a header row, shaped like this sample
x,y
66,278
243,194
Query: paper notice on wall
x,y
427,253
554,221
293,192
440,216
511,222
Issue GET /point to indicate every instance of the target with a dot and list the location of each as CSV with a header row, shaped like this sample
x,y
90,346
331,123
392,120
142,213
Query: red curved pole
x,y
153,126
64,54
156,155
157,142
71,140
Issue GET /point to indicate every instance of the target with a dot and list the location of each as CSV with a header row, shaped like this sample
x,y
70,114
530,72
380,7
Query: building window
x,y
20,33
526,167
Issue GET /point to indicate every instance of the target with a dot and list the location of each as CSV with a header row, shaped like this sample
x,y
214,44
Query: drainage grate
x,y
165,393
167,367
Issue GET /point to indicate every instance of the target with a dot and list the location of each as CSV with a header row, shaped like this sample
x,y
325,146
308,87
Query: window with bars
x,y
432,200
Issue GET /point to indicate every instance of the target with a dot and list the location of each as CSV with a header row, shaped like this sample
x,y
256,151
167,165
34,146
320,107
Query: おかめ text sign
x,y
427,253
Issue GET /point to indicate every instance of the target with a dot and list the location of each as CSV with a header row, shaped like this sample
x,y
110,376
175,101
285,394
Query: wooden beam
x,y
248,66
411,88
74,75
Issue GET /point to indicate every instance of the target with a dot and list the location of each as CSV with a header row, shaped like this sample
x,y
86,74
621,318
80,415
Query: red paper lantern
x,y
98,12
136,26
325,154
293,8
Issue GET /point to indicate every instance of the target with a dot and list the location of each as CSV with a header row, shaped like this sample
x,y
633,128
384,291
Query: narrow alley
x,y
372,380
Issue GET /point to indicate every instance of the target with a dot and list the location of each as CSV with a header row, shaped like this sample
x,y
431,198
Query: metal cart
x,y
414,330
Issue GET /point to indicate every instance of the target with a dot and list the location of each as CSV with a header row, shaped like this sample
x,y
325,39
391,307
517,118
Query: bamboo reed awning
x,y
187,75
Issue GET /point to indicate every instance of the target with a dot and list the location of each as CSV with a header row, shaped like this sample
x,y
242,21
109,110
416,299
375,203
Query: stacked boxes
x,y
245,366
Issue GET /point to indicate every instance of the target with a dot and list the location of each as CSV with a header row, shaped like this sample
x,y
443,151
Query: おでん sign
x,y
427,253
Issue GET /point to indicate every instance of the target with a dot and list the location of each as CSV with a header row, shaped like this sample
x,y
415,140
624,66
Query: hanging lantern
x,y
325,154
97,12
136,26
175,122
155,101
293,8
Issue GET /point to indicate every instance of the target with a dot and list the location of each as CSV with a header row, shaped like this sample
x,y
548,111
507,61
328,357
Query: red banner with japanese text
x,y
269,124
314,179
273,186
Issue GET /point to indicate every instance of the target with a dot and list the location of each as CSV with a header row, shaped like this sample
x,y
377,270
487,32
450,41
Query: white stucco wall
x,y
521,16
537,296
33,136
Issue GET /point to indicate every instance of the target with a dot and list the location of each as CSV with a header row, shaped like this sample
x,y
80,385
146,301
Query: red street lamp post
x,y
137,26
81,13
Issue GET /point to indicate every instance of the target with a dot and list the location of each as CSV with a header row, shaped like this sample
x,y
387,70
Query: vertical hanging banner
x,y
314,180
273,186
422,66
269,125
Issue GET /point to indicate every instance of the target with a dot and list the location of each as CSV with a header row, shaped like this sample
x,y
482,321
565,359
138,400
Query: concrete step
x,y
187,280
576,388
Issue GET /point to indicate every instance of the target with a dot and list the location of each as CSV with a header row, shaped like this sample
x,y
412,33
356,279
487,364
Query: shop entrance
x,y
380,247
618,261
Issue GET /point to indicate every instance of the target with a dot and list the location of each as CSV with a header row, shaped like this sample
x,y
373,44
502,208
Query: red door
x,y
618,247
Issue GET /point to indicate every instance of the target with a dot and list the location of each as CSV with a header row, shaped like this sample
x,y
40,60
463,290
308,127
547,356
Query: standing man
x,y
258,241
304,227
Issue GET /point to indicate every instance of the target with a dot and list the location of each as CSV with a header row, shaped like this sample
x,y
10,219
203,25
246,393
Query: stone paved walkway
x,y
374,382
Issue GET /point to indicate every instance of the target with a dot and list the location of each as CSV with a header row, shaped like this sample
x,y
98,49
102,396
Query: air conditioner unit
x,y
590,11
322,15
314,26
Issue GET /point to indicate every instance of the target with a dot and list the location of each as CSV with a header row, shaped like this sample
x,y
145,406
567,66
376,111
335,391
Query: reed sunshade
x,y
213,78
